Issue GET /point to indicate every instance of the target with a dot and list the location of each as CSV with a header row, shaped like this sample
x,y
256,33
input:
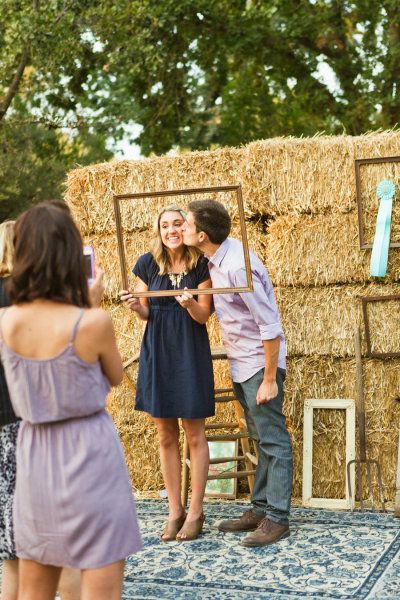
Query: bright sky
x,y
125,149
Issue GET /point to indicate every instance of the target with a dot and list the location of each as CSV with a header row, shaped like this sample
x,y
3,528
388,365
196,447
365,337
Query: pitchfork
x,y
363,460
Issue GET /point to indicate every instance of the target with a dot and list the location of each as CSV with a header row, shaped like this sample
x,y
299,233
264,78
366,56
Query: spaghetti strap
x,y
75,329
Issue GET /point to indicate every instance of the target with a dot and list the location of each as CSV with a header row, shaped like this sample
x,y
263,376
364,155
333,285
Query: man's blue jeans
x,y
266,424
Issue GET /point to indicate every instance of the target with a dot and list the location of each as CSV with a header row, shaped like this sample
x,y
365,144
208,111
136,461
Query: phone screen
x,y
88,266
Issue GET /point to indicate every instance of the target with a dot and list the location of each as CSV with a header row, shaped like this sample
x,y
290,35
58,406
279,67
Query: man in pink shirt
x,y
252,333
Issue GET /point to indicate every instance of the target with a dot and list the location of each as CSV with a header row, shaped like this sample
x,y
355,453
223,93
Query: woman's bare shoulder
x,y
98,318
96,329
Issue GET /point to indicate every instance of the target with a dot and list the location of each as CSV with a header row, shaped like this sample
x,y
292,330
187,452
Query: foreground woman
x,y
73,504
69,585
175,370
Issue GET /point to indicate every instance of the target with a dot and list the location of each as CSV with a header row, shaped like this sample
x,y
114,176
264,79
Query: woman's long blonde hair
x,y
160,252
6,247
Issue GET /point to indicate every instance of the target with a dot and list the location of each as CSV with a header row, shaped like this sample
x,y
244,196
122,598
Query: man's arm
x,y
268,390
266,316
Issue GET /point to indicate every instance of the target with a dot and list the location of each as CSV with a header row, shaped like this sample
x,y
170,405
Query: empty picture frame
x,y
118,198
365,300
337,404
358,163
227,487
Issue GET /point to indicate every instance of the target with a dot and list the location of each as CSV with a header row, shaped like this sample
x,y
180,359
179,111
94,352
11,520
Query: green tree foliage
x,y
226,72
34,160
46,56
194,73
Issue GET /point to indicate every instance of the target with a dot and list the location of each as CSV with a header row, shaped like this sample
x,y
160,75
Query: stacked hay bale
x,y
90,196
306,192
302,221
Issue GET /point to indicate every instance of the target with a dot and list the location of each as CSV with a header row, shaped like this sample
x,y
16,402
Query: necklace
x,y
176,279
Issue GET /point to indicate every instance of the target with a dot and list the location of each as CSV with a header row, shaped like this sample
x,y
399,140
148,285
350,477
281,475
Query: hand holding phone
x,y
96,289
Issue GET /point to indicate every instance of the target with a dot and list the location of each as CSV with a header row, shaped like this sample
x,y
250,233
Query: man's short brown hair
x,y
211,217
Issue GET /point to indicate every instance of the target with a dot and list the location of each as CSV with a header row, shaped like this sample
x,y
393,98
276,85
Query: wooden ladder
x,y
237,428
241,434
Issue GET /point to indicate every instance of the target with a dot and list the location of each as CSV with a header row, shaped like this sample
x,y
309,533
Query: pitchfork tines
x,y
363,460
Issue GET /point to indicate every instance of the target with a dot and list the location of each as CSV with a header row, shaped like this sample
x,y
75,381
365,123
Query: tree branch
x,y
12,90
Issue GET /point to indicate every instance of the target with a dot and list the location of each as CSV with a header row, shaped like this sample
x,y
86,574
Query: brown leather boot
x,y
249,521
267,532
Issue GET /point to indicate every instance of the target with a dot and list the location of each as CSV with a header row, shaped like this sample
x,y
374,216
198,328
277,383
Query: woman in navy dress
x,y
175,369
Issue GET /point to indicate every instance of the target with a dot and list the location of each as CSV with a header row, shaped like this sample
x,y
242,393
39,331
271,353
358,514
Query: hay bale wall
x,y
301,212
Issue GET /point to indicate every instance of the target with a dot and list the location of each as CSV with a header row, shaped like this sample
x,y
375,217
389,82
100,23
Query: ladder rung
x,y
224,398
218,353
224,459
226,438
231,475
222,426
224,390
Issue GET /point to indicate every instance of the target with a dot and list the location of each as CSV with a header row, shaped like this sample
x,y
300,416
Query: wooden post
x,y
397,498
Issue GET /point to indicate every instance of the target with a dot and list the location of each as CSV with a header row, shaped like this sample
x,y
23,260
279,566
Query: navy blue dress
x,y
175,368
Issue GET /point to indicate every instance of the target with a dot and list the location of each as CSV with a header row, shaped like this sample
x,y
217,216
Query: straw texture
x,y
302,220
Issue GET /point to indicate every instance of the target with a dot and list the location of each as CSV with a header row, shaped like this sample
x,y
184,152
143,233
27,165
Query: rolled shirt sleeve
x,y
261,304
245,319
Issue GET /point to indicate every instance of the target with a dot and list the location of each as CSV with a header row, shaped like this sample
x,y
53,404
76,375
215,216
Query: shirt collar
x,y
217,257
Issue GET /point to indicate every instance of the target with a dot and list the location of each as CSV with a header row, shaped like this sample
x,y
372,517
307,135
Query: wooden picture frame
x,y
357,164
365,300
339,404
118,198
226,487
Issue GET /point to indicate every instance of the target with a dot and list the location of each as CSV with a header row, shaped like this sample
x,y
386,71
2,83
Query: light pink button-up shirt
x,y
245,319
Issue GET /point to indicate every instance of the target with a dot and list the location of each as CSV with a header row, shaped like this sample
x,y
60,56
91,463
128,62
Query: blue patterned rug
x,y
329,555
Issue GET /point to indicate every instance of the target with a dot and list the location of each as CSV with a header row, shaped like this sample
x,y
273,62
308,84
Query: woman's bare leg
x,y
9,582
36,581
199,463
168,435
69,586
104,583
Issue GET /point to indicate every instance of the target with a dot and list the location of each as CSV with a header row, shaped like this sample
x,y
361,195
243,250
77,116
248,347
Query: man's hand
x,y
96,289
186,300
267,391
127,297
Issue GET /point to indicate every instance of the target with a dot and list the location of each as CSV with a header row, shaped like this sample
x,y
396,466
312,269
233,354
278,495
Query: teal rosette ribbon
x,y
385,190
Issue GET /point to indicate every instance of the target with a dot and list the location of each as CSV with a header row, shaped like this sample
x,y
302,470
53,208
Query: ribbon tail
x,y
380,248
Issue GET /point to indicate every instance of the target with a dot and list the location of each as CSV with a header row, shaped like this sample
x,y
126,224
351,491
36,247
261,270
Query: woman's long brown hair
x,y
48,258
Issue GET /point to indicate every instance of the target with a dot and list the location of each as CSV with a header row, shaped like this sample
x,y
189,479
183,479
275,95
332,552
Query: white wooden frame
x,y
342,404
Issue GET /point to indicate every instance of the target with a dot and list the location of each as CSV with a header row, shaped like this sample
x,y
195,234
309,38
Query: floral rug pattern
x,y
329,555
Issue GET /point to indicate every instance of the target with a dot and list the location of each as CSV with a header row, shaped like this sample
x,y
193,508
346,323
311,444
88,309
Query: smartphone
x,y
88,256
